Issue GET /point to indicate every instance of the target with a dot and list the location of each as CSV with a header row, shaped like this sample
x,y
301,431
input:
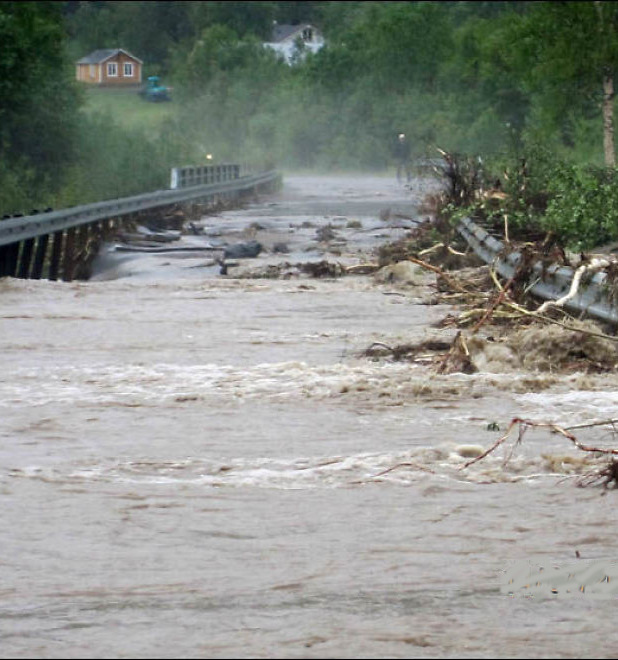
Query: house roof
x,y
282,32
98,56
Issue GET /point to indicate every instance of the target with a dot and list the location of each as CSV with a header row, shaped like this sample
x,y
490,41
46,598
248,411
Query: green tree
x,y
301,11
243,18
401,45
219,52
566,56
148,30
38,98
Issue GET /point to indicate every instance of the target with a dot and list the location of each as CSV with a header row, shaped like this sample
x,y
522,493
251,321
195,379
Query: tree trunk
x,y
608,96
608,119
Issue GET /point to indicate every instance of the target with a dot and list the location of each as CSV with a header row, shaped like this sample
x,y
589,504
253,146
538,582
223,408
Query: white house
x,y
291,41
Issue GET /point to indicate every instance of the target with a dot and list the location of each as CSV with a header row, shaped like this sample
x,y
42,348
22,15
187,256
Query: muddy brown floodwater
x,y
198,465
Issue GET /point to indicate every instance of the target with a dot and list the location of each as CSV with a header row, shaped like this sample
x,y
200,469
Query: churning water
x,y
197,465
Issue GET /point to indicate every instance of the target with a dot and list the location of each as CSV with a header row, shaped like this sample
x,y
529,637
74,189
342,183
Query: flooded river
x,y
203,465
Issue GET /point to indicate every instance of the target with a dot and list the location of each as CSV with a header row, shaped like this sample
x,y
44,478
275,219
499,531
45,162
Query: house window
x,y
112,70
307,34
92,70
128,70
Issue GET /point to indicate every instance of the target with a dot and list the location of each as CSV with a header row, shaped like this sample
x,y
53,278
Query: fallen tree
x,y
605,474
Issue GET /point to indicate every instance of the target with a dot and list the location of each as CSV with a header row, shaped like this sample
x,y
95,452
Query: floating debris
x,y
248,250
287,270
315,269
402,272
428,350
606,473
326,233
555,348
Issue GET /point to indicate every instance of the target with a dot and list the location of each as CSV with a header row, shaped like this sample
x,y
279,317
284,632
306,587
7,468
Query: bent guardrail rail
x,y
24,241
548,282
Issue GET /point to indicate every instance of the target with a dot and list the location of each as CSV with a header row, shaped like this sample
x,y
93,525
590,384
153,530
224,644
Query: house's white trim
x,y
306,34
288,49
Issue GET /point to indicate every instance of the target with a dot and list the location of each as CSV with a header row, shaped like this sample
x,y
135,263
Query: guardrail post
x,y
39,257
56,253
6,259
82,251
11,258
3,260
26,259
69,251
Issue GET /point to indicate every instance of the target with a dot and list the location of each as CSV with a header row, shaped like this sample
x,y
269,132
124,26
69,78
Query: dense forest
x,y
507,81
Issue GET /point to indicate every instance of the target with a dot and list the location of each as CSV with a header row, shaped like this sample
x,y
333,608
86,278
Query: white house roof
x,y
282,32
98,56
285,38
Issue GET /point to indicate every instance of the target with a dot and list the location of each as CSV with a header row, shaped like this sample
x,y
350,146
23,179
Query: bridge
x,y
60,244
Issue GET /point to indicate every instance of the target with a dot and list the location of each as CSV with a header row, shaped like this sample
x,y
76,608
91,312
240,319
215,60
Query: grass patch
x,y
128,109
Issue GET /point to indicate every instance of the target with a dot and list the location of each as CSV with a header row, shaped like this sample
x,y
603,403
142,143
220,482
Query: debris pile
x,y
432,241
599,466
401,272
442,355
555,348
314,269
506,327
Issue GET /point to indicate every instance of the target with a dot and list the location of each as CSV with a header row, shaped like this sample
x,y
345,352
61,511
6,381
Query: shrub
x,y
583,206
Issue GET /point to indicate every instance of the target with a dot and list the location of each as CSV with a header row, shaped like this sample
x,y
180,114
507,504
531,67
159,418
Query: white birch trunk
x,y
608,120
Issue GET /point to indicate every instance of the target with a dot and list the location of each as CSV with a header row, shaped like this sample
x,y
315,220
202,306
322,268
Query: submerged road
x,y
203,465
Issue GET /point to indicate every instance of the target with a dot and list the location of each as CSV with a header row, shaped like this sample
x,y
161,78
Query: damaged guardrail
x,y
553,282
49,244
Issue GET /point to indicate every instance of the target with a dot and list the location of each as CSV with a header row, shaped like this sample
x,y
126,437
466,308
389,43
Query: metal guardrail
x,y
68,227
185,177
18,229
547,282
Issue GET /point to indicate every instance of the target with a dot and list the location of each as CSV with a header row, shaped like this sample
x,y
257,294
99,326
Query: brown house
x,y
110,67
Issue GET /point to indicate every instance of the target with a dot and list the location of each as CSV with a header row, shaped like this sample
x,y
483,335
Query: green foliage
x,y
518,82
38,101
577,204
243,18
559,52
148,30
219,51
17,182
400,45
583,206
112,162
155,30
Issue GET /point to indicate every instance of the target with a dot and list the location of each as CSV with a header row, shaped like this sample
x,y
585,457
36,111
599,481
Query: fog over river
x,y
203,465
